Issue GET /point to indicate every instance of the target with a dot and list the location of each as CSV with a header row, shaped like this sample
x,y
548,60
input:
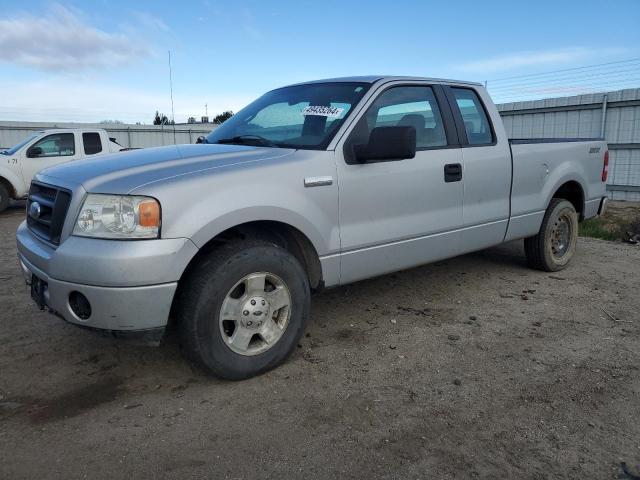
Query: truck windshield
x,y
301,116
17,147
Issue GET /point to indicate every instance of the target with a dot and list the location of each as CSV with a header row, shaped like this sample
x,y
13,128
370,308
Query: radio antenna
x,y
173,115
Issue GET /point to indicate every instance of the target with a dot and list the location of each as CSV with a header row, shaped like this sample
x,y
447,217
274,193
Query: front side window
x,y
91,142
476,122
55,145
410,106
301,116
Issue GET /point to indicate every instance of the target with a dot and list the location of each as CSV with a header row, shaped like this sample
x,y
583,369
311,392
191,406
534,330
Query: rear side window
x,y
476,120
92,143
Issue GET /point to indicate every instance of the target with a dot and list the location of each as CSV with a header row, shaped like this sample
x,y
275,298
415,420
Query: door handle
x,y
318,181
452,172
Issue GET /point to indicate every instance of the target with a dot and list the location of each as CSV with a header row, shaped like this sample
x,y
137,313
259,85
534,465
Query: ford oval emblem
x,y
34,210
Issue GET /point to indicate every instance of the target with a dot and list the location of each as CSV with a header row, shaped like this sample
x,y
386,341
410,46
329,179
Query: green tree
x,y
160,119
224,116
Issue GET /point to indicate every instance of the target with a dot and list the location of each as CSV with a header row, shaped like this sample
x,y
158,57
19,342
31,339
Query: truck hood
x,y
123,172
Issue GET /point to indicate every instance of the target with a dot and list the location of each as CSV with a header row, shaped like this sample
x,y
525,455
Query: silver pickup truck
x,y
312,185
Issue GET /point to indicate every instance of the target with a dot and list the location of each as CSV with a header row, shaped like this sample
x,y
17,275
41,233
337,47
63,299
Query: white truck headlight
x,y
118,217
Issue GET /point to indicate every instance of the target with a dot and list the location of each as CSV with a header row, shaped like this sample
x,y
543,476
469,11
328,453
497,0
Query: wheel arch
x,y
282,234
572,191
10,187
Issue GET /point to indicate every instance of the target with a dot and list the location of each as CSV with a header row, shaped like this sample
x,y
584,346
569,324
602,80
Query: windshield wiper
x,y
248,139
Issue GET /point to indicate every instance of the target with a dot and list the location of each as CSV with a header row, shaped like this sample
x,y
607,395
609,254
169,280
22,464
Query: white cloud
x,y
249,25
61,41
66,100
151,21
534,59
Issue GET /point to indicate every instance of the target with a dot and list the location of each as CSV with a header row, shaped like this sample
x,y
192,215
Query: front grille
x,y
47,221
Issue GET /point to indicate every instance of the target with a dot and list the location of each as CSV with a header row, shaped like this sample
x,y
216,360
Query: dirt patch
x,y
74,402
621,222
476,367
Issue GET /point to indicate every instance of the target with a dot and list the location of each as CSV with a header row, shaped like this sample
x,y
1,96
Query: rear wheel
x,y
555,244
243,309
4,197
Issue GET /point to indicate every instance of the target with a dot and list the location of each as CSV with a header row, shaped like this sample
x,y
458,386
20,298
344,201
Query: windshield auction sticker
x,y
332,112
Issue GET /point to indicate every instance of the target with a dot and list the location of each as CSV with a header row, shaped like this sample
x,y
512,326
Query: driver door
x,y
54,148
396,214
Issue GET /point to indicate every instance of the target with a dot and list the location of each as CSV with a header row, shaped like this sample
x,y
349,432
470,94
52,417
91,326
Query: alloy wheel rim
x,y
255,313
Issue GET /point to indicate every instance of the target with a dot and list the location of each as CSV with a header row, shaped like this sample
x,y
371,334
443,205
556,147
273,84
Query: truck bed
x,y
542,165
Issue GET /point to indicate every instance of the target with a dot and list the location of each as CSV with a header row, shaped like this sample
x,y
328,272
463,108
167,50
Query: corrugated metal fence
x,y
134,136
612,115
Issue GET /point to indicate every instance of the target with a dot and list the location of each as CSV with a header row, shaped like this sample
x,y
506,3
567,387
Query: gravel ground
x,y
476,367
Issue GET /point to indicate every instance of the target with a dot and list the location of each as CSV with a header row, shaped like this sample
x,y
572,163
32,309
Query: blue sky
x,y
90,61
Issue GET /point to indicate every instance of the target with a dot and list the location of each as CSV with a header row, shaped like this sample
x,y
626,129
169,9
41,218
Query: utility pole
x,y
173,116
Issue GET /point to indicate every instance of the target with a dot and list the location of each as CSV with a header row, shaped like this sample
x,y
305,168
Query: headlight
x,y
118,217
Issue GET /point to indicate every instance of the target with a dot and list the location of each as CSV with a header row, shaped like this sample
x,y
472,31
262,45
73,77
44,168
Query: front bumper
x,y
112,308
129,285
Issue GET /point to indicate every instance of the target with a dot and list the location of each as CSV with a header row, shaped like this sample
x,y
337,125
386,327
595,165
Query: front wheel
x,y
4,197
243,309
555,244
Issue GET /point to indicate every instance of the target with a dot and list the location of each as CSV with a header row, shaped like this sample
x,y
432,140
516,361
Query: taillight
x,y
605,166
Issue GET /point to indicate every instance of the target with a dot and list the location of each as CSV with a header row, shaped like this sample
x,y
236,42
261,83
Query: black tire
x,y
4,197
207,286
539,249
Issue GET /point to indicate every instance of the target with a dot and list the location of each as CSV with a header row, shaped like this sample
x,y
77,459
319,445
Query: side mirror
x,y
388,143
200,139
34,152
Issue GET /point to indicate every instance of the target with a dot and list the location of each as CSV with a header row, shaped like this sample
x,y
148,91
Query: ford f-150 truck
x,y
43,149
313,185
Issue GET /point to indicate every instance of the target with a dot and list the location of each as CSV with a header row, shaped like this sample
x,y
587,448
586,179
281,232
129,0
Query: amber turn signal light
x,y
149,212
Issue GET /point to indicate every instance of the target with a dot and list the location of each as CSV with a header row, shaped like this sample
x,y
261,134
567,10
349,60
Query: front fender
x,y
262,213
200,207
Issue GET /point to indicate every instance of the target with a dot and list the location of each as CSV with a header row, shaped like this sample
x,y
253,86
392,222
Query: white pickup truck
x,y
43,149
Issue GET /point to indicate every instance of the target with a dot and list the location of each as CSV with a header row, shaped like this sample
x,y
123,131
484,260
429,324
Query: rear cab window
x,y
474,116
92,143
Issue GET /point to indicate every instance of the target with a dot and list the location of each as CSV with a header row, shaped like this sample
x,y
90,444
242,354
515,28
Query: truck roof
x,y
69,130
385,78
